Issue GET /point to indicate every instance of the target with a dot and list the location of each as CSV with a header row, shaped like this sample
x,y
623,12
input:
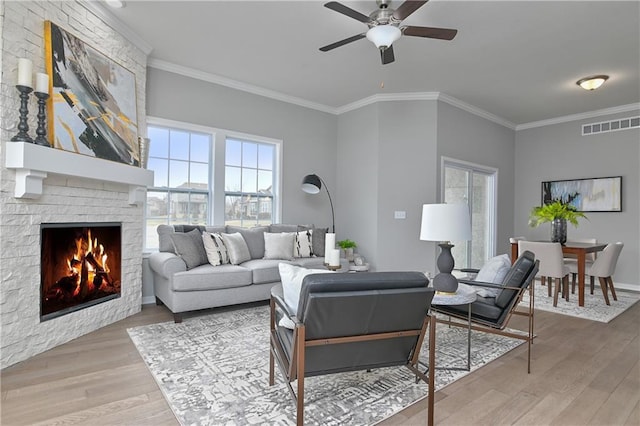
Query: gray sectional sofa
x,y
184,281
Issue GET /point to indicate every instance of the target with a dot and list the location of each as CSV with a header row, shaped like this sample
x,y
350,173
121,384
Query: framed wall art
x,y
92,107
586,195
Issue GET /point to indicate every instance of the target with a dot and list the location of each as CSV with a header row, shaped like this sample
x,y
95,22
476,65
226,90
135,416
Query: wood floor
x,y
583,372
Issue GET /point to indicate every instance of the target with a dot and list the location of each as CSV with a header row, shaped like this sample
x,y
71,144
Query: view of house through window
x,y
248,182
475,186
185,159
180,194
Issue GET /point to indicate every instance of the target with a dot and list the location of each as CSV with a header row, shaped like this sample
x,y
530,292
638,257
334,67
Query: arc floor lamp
x,y
311,184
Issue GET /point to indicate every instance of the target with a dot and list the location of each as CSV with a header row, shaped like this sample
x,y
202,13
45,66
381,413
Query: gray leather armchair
x,y
349,322
492,314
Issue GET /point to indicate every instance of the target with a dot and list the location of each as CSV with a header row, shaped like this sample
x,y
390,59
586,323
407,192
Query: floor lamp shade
x,y
311,184
445,223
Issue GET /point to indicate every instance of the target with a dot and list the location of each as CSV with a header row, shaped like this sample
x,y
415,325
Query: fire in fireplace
x,y
80,266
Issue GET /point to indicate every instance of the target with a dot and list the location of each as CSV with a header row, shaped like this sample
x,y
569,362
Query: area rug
x,y
594,308
214,370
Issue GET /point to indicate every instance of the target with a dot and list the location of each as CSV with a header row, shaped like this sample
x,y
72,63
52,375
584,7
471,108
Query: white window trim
x,y
217,165
493,220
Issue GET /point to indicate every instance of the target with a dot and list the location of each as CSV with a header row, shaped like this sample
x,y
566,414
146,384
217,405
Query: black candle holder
x,y
23,127
41,131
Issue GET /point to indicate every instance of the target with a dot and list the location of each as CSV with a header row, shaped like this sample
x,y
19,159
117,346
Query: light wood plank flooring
x,y
583,372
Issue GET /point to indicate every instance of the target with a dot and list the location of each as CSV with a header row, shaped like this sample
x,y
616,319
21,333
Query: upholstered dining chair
x,y
551,265
572,262
603,267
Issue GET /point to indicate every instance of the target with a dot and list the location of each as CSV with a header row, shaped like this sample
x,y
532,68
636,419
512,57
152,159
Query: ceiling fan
x,y
384,26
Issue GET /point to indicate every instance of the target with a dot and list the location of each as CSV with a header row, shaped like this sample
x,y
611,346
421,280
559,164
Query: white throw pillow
x,y
291,277
494,272
279,245
236,247
215,248
303,244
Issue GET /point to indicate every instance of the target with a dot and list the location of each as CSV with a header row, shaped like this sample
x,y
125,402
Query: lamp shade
x,y
383,35
311,184
445,222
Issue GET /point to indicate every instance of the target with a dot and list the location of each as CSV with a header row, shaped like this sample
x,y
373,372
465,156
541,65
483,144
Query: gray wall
x,y
309,136
465,136
560,152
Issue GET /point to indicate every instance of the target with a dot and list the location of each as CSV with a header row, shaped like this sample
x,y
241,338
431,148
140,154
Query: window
x,y
249,182
474,185
210,176
180,193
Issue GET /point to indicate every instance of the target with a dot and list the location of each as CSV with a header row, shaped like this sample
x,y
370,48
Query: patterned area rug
x,y
594,308
214,370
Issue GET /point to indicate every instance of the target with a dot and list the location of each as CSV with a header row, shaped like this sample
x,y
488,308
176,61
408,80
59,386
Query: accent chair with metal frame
x,y
349,322
492,314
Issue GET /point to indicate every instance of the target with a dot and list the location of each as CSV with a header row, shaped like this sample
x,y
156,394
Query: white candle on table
x,y
42,83
334,257
329,243
25,72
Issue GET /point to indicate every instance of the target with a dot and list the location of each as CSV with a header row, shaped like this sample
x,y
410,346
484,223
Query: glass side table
x,y
465,294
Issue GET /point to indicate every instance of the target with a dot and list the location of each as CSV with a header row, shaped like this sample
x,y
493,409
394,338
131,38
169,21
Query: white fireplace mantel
x,y
33,162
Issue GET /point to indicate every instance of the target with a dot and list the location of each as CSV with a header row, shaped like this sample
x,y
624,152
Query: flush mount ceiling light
x,y
383,36
592,83
116,4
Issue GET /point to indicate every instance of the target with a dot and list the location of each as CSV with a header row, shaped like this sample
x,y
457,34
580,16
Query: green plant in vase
x,y
558,213
347,245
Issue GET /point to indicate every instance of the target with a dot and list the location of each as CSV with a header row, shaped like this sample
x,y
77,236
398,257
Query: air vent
x,y
611,126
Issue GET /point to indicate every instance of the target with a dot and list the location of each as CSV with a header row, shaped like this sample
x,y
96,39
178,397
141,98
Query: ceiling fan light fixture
x,y
592,83
383,36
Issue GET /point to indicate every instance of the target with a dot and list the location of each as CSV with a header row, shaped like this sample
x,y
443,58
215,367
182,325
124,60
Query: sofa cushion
x,y
303,244
209,277
190,248
215,249
283,227
318,238
221,229
236,248
253,237
279,246
264,270
164,238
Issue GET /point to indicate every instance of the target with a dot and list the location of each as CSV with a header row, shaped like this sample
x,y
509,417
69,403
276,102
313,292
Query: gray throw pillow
x,y
254,238
164,238
236,248
190,248
317,240
279,246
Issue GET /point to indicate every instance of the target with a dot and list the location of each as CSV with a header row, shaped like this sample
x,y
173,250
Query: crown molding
x,y
234,84
581,116
385,97
476,111
101,12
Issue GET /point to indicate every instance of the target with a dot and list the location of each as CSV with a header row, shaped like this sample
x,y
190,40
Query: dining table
x,y
579,250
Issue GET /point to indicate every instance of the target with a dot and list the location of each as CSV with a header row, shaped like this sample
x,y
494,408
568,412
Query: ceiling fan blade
x,y
439,33
387,55
340,8
342,42
407,8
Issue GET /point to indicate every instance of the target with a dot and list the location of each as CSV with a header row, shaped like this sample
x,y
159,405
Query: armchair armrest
x,y
490,285
470,270
280,303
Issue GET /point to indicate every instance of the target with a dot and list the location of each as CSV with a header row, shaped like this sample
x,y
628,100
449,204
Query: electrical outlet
x,y
399,214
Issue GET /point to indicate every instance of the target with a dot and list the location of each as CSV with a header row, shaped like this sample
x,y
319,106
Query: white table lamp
x,y
445,223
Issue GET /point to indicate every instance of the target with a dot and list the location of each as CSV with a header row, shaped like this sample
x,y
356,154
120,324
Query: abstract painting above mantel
x,y
92,109
586,195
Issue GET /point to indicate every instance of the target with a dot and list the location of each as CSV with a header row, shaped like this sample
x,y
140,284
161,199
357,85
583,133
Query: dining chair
x,y
551,265
603,267
571,260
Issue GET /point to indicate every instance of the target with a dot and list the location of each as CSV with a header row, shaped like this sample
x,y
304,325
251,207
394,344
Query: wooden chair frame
x,y
295,369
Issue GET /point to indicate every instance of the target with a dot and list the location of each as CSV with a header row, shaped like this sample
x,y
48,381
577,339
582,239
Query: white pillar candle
x,y
329,243
334,257
42,83
25,72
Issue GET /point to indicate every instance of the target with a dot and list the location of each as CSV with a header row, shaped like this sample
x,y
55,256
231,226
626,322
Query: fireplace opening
x,y
80,266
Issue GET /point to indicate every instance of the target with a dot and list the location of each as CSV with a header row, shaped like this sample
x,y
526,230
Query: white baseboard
x,y
627,287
